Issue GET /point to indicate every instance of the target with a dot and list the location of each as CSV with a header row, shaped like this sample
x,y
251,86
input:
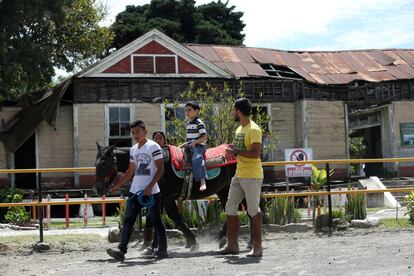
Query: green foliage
x,y
17,215
282,211
337,214
319,178
37,36
7,195
355,207
410,207
211,23
357,150
191,214
217,113
214,214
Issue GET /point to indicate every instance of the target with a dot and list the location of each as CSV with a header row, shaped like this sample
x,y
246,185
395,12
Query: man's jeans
x,y
132,210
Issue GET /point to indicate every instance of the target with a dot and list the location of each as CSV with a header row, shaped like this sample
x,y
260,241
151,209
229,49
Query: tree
x,y
36,36
212,23
216,112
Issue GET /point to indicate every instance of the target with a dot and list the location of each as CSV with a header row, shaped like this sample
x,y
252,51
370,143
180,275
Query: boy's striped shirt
x,y
195,129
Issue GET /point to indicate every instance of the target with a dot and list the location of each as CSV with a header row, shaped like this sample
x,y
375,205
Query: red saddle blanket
x,y
177,156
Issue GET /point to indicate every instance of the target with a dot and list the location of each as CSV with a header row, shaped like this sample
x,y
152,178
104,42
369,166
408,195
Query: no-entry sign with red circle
x,y
298,154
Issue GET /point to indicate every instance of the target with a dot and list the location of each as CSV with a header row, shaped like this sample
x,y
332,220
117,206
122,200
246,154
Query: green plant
x,y
410,207
216,111
191,214
17,215
355,207
282,211
337,214
214,214
357,150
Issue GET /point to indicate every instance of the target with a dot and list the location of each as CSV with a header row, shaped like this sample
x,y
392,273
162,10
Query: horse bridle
x,y
111,174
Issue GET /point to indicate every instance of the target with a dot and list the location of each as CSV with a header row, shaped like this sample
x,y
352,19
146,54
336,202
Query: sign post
x,y
298,154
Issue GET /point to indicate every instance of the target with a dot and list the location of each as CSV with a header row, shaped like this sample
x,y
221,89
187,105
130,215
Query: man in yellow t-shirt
x,y
248,179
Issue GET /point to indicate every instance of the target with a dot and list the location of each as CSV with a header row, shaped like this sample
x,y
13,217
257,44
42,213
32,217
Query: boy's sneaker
x,y
116,254
148,252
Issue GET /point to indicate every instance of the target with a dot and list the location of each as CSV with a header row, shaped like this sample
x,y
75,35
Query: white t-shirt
x,y
144,159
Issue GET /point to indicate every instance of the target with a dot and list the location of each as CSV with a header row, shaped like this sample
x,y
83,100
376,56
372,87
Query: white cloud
x,y
316,24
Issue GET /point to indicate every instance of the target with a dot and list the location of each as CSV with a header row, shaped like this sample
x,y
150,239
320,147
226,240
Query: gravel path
x,y
355,252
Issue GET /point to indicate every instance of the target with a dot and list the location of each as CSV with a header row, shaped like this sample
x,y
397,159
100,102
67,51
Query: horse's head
x,y
106,169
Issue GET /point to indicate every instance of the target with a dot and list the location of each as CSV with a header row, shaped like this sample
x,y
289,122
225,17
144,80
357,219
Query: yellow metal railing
x,y
41,203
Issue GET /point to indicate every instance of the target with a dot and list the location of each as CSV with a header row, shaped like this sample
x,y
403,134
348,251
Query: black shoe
x,y
116,254
161,254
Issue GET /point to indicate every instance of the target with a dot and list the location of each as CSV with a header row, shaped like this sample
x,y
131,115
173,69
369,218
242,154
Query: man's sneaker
x,y
116,254
161,254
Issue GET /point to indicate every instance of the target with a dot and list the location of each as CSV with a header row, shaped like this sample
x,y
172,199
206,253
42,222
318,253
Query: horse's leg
x,y
172,212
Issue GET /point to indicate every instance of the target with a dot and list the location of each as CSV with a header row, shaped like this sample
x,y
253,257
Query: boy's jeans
x,y
197,160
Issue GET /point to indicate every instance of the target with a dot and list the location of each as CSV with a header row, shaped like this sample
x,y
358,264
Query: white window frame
x,y
154,62
107,127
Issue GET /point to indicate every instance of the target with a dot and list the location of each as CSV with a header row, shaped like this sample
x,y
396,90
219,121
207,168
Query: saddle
x,y
215,157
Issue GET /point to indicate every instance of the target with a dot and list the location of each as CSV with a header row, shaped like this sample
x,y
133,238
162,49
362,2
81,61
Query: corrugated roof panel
x,y
206,52
381,57
237,69
309,63
302,73
407,56
243,55
324,63
382,76
277,58
398,59
397,73
338,63
226,54
322,79
367,62
260,55
254,69
407,69
342,78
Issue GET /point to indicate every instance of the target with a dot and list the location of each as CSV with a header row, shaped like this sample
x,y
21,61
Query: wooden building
x,y
314,99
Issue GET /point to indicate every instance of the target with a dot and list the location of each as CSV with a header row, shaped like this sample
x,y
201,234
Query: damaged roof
x,y
320,67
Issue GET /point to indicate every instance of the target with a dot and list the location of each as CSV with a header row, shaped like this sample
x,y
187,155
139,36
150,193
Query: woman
x,y
150,237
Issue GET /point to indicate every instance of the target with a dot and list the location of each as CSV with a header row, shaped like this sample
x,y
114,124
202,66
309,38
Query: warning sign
x,y
299,170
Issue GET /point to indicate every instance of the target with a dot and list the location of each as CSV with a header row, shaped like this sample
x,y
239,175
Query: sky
x,y
316,24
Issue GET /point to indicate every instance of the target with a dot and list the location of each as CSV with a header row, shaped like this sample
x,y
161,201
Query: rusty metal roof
x,y
324,67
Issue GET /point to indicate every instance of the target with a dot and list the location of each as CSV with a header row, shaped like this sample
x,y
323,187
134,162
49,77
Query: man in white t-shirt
x,y
146,167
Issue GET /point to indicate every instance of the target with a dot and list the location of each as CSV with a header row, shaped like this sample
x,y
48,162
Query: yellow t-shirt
x,y
245,137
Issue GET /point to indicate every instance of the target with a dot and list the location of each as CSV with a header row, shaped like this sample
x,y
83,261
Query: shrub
x,y
17,215
282,211
355,207
410,207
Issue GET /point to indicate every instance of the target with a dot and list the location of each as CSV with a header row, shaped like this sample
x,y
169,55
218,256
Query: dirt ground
x,y
354,252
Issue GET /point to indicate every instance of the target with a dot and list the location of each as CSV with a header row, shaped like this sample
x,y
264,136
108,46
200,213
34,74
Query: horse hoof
x,y
195,247
222,242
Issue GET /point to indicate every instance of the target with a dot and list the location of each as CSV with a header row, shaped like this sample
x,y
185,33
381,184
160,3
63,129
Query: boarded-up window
x,y
143,65
165,65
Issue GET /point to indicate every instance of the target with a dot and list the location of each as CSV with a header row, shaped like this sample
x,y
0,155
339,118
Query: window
x,y
172,113
155,64
118,130
407,134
